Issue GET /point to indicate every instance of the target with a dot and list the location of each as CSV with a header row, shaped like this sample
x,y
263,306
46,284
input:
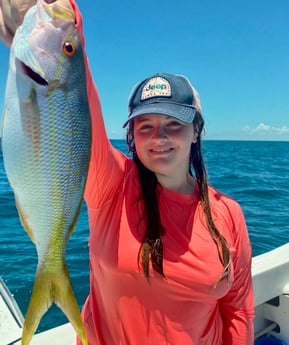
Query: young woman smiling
x,y
163,144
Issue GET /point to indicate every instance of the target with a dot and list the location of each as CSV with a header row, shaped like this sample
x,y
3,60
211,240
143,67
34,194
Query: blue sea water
x,y
254,173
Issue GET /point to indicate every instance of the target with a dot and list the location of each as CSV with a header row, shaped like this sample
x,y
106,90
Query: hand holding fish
x,y
12,13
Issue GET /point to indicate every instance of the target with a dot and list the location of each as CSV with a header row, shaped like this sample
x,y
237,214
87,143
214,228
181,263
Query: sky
x,y
235,53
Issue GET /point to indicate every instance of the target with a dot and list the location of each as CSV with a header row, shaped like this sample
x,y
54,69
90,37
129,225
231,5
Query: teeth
x,y
160,150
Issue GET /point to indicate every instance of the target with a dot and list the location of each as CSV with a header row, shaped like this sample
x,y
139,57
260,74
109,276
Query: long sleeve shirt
x,y
186,306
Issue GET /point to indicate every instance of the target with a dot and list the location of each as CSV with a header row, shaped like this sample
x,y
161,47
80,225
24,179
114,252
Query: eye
x,y
174,124
145,127
69,48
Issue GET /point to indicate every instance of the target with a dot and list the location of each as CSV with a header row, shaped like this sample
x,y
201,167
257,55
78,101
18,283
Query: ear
x,y
195,134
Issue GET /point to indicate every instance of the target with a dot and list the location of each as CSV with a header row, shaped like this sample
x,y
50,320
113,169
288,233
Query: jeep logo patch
x,y
156,87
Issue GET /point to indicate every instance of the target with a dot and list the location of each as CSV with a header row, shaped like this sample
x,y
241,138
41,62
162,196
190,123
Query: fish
x,y
46,144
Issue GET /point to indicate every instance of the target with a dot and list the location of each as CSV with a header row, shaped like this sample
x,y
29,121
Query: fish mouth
x,y
33,75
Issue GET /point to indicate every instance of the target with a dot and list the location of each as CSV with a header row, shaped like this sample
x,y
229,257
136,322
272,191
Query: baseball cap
x,y
164,94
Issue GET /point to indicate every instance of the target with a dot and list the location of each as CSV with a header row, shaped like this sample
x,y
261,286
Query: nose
x,y
160,132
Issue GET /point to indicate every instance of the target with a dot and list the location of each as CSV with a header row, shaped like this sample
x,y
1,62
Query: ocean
x,y
254,173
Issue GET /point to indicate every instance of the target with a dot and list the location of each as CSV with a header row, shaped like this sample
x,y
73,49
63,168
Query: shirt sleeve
x,y
107,164
237,307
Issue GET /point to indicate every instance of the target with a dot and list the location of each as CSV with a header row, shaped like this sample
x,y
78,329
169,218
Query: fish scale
x,y
46,149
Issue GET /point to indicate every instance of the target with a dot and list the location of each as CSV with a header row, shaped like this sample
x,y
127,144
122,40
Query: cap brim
x,y
178,111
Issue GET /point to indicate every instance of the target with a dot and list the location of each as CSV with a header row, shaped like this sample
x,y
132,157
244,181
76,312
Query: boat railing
x,y
271,293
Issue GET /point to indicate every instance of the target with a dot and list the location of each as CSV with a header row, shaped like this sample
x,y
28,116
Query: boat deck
x,y
62,335
11,323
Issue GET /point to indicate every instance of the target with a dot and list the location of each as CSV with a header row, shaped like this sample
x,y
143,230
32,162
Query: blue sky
x,y
235,53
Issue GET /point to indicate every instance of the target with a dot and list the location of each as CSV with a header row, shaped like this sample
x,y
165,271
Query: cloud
x,y
262,128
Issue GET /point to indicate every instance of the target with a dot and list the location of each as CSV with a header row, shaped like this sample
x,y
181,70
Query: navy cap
x,y
164,94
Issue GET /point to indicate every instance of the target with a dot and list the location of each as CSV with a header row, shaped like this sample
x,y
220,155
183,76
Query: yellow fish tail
x,y
52,287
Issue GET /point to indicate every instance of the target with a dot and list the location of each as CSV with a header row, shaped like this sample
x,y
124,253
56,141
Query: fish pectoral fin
x,y
52,287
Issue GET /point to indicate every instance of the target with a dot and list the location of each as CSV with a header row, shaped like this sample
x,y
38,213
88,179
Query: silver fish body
x,y
46,138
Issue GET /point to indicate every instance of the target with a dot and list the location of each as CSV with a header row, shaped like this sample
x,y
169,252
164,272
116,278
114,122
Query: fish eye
x,y
69,48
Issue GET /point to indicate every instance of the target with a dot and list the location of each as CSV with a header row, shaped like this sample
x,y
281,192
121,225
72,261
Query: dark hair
x,y
152,247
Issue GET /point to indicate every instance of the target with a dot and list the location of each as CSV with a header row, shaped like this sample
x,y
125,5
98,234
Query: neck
x,y
184,185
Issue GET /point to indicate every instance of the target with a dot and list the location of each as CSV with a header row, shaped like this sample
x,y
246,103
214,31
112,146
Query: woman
x,y
170,257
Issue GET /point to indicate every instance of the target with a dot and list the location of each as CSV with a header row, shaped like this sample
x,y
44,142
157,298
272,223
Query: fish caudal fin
x,y
52,287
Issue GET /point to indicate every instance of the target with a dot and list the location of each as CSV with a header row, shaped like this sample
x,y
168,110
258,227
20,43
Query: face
x,y
163,144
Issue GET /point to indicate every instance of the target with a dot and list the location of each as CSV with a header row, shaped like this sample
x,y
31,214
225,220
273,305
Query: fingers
x,y
5,34
12,13
18,8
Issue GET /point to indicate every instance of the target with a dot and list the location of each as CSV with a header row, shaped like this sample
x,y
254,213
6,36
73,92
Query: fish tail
x,y
48,288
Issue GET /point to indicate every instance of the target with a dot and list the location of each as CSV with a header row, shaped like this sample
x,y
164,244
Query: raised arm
x,y
107,164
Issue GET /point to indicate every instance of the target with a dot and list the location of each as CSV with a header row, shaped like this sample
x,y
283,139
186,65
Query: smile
x,y
161,150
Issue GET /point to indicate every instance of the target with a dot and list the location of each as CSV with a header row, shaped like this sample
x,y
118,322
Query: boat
x,y
12,320
270,273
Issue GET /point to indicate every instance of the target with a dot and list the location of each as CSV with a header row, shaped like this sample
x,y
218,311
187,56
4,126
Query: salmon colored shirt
x,y
184,308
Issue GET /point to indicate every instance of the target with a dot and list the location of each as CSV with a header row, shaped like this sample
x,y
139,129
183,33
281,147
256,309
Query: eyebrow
x,y
141,118
146,117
